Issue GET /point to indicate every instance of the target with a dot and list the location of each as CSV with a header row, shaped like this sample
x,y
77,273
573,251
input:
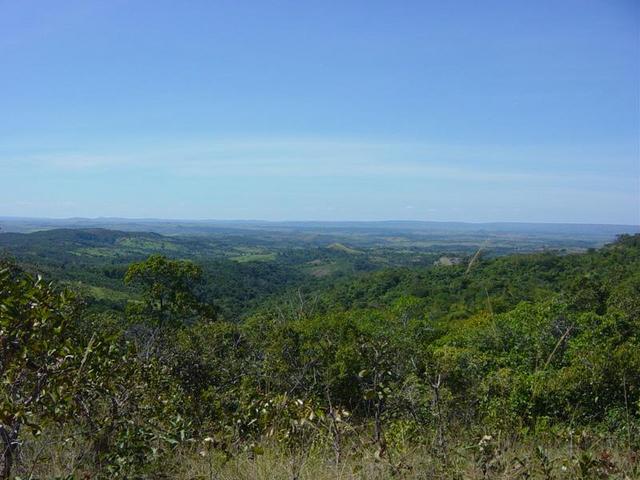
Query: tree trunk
x,y
9,437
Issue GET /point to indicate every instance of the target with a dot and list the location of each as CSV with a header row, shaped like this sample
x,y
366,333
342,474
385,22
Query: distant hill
x,y
69,236
604,232
339,247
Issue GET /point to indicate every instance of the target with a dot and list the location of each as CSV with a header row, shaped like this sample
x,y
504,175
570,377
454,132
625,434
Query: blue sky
x,y
346,110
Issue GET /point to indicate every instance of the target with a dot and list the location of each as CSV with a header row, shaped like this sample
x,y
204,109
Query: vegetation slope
x,y
524,366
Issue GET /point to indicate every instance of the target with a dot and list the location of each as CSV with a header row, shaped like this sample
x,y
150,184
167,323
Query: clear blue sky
x,y
347,110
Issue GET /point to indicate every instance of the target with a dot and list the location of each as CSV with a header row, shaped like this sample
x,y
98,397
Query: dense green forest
x,y
137,355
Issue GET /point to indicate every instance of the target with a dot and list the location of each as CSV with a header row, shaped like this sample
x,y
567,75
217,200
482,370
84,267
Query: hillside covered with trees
x,y
516,366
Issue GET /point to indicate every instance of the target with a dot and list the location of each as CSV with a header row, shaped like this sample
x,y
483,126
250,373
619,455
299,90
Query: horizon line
x,y
255,220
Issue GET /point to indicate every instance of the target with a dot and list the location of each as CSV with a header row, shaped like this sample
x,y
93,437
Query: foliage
x,y
37,358
541,350
169,290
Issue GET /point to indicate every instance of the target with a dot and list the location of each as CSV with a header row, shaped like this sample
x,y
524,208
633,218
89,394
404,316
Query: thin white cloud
x,y
328,158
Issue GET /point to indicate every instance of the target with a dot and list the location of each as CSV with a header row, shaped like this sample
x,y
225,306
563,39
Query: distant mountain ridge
x,y
85,237
194,227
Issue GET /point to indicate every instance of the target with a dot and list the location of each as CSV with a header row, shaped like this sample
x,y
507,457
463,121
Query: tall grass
x,y
559,455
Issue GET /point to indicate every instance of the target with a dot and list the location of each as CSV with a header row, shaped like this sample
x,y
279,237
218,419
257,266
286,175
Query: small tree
x,y
169,288
37,358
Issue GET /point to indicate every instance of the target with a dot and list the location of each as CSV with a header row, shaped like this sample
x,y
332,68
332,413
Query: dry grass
x,y
492,458
463,462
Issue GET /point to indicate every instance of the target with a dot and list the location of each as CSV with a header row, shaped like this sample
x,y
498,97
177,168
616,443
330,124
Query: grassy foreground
x,y
560,455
